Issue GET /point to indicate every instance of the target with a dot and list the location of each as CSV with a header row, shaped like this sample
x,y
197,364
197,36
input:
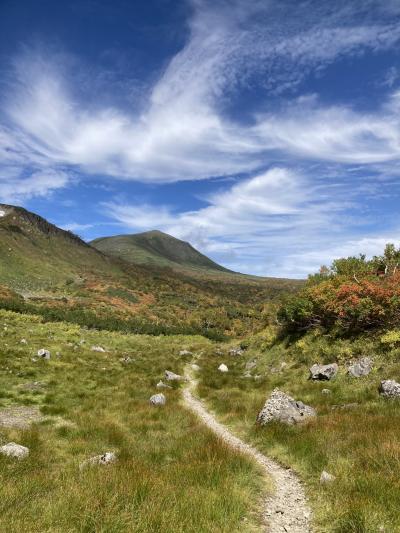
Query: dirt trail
x,y
287,509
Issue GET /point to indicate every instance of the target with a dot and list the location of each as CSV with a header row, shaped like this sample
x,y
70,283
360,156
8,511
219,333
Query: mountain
x,y
51,272
157,249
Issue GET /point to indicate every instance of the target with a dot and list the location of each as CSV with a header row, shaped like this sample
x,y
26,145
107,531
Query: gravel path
x,y
287,509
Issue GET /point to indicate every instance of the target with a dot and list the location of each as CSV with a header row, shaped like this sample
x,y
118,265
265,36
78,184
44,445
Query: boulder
x,y
326,477
323,372
360,368
162,385
282,408
158,399
170,376
102,460
223,368
182,353
389,388
14,450
44,354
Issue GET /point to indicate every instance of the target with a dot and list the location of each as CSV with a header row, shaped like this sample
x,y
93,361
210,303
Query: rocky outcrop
x,y
389,388
14,450
360,368
323,372
283,408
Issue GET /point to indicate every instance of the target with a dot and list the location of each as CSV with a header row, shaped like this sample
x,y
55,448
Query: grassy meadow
x,y
356,435
172,474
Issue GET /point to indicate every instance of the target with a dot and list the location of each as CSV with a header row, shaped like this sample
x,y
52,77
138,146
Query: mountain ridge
x,y
156,248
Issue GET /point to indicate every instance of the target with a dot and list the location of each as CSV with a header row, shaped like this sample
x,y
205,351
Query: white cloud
x,y
182,133
15,189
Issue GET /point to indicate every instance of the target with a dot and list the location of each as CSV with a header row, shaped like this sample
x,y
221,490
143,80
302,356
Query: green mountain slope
x,y
52,272
158,249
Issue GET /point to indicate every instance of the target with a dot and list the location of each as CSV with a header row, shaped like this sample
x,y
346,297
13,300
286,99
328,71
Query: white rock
x,y
14,450
158,399
283,408
23,341
162,385
223,368
170,376
185,352
389,388
195,367
103,459
44,354
326,391
326,477
98,349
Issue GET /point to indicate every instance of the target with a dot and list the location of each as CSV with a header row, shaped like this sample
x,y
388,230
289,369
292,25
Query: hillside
x,y
158,249
48,270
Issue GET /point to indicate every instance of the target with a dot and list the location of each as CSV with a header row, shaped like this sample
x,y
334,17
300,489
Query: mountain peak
x,y
156,248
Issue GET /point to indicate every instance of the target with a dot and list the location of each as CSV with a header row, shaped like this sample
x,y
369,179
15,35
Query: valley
x,y
96,353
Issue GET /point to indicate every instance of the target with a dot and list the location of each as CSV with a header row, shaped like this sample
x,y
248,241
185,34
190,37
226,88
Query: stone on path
x,y
158,399
283,408
171,376
14,450
223,368
323,372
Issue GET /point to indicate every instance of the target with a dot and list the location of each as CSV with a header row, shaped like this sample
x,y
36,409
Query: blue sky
x,y
265,132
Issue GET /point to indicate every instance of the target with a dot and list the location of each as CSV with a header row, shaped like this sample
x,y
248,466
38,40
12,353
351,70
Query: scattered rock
x,y
247,374
326,477
20,417
223,368
14,450
236,351
389,388
360,368
44,354
323,372
185,352
195,367
162,385
326,391
251,364
103,460
283,408
170,376
23,341
126,360
158,399
98,349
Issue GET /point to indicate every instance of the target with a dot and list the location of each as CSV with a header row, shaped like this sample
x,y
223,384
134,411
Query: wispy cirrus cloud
x,y
182,131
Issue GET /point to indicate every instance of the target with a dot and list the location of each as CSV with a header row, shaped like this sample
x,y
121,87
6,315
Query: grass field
x,y
172,475
359,444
